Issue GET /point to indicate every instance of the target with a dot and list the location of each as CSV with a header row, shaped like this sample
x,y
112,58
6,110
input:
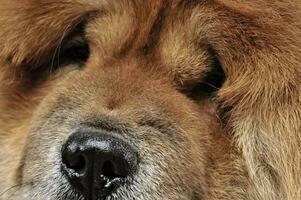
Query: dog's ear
x,y
260,54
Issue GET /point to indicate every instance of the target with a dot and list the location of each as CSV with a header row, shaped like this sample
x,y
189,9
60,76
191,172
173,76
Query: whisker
x,y
16,187
211,85
58,50
9,189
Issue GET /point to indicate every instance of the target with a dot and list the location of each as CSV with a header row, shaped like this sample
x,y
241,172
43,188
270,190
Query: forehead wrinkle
x,y
155,26
118,34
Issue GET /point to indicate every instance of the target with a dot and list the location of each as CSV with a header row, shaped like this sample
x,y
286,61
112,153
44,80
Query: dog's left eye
x,y
211,83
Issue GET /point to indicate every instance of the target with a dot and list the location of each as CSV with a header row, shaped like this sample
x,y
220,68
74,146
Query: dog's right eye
x,y
74,53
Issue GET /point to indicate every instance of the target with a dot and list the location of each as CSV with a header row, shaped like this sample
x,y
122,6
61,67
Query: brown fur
x,y
145,56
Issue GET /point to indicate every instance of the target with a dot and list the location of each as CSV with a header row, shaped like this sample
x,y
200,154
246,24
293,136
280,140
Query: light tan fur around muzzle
x,y
241,142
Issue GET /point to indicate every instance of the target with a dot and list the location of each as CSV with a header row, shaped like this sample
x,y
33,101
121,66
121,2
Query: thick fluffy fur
x,y
242,142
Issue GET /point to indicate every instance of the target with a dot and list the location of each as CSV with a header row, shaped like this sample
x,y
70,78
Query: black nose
x,y
96,163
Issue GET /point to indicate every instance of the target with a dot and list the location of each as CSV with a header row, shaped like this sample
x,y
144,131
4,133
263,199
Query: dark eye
x,y
211,83
73,53
76,53
73,50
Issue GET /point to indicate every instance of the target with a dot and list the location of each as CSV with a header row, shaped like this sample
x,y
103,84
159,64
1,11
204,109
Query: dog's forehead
x,y
111,26
163,30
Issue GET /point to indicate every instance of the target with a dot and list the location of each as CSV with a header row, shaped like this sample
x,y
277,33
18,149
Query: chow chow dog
x,y
149,100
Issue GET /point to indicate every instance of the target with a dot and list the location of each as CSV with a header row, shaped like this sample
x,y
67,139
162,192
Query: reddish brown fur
x,y
138,64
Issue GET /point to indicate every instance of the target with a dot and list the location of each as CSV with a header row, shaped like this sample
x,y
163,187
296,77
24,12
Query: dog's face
x,y
127,99
116,121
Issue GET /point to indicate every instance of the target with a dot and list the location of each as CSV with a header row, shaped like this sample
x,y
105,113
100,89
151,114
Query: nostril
x,y
109,171
77,163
